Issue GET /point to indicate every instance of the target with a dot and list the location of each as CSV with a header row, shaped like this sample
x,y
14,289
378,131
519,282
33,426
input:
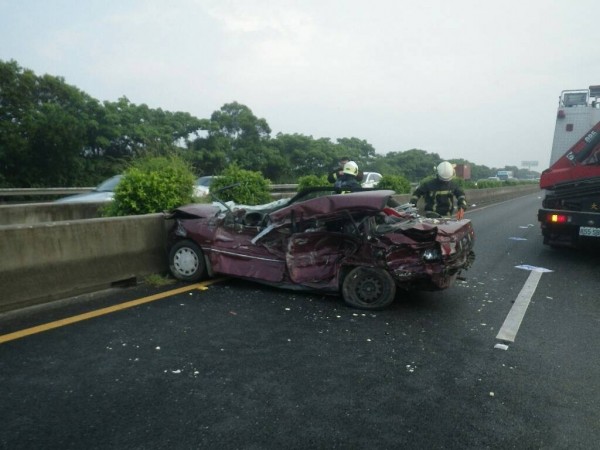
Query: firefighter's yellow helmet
x,y
351,168
445,171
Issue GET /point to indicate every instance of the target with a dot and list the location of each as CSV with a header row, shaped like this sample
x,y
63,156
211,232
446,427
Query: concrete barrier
x,y
54,260
483,197
49,256
30,213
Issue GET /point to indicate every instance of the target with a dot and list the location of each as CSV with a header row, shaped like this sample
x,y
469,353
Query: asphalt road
x,y
239,365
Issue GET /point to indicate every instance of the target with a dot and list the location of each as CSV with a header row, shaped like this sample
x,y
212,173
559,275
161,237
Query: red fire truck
x,y
570,213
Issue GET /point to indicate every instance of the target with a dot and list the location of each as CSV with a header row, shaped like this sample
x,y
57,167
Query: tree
x,y
246,134
131,131
53,134
413,164
357,150
304,155
209,155
42,128
15,113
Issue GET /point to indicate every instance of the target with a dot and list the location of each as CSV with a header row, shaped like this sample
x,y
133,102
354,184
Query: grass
x,y
157,280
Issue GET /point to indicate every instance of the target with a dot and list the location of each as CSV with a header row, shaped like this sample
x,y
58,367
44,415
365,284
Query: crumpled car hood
x,y
333,204
195,210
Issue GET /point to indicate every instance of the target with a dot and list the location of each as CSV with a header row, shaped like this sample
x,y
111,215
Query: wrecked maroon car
x,y
362,244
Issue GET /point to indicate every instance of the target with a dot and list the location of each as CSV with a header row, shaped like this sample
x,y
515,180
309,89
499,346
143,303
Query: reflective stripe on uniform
x,y
439,197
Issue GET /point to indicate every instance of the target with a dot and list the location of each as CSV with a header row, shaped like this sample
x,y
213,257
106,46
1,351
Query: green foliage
x,y
129,131
42,129
394,182
312,181
413,164
358,150
304,155
486,184
467,184
208,155
460,182
251,188
158,280
245,133
52,134
152,185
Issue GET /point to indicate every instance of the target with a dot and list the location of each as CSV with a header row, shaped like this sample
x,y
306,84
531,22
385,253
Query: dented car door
x,y
233,253
314,258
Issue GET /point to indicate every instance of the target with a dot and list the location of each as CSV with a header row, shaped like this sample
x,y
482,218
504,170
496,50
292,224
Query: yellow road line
x,y
101,312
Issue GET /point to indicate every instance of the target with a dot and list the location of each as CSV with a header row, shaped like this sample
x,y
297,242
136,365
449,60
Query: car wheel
x,y
368,288
186,261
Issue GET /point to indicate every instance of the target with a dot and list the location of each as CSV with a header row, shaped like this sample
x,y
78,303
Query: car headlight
x,y
432,254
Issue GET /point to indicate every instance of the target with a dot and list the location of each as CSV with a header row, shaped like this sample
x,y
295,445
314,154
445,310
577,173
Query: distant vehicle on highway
x,y
104,192
370,179
505,175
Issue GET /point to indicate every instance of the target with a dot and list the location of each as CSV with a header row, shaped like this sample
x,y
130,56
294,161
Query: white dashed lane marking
x,y
511,324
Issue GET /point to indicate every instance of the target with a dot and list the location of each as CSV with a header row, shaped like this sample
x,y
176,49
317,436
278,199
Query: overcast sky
x,y
469,79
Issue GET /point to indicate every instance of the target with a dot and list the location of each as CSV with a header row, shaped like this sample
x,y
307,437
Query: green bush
x,y
462,183
152,185
252,188
396,183
485,184
312,181
468,184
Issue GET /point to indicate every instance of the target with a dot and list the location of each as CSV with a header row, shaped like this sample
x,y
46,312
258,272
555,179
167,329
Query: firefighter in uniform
x,y
439,193
347,181
339,171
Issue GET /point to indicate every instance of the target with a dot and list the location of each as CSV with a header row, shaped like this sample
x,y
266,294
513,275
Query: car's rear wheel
x,y
186,261
368,288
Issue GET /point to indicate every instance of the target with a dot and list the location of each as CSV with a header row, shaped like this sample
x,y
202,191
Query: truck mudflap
x,y
568,228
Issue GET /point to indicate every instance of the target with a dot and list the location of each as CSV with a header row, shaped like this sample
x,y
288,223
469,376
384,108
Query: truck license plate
x,y
589,231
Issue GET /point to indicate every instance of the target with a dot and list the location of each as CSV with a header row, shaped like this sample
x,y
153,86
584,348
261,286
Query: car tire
x,y
368,288
186,261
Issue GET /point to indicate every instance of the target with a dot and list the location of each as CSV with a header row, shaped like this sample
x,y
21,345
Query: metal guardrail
x,y
53,192
284,187
23,192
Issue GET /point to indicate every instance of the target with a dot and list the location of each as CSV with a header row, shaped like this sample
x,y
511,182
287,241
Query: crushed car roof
x,y
330,204
363,201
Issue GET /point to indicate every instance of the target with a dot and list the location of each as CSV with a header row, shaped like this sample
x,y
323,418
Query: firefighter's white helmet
x,y
351,168
445,171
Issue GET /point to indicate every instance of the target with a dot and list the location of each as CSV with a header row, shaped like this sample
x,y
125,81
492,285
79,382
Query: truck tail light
x,y
558,218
